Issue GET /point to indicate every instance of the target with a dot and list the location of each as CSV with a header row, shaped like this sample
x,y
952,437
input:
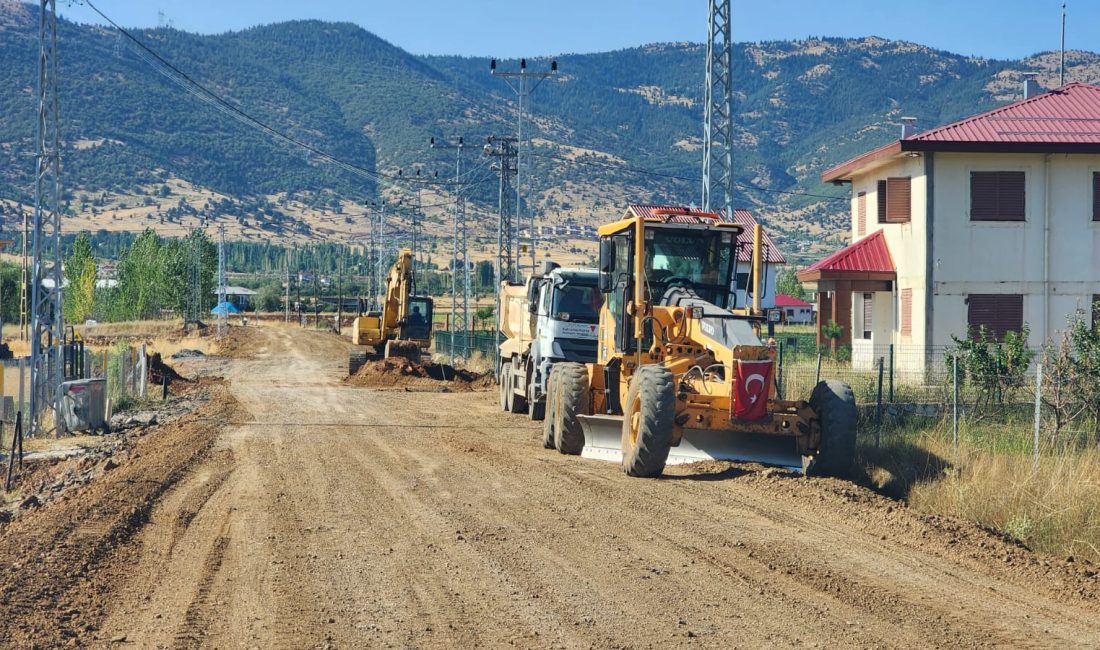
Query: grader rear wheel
x,y
647,422
835,405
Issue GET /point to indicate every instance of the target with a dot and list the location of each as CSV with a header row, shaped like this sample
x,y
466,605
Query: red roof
x,y
772,254
783,300
1066,120
868,255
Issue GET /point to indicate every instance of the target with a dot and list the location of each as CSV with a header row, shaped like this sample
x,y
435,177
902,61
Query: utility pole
x,y
459,256
47,326
340,299
504,149
223,309
718,112
24,281
1062,57
286,268
298,285
523,89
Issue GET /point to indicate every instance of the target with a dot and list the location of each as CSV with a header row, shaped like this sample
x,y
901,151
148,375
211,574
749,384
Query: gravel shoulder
x,y
330,515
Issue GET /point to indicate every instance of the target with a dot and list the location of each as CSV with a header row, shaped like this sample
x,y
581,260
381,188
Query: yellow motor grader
x,y
403,327
682,375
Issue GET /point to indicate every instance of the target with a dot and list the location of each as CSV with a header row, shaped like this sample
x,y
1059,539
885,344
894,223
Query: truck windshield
x,y
577,303
699,259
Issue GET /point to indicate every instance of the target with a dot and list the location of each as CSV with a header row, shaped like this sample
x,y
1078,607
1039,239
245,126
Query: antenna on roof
x,y
1062,60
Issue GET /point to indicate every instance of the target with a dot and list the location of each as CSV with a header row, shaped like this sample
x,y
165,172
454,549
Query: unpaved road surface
x,y
330,515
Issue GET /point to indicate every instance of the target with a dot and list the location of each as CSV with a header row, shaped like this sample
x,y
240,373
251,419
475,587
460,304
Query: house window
x,y
997,196
907,312
895,200
861,214
998,313
868,309
1096,196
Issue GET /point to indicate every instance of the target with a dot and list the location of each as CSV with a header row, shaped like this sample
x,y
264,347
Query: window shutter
x,y
898,199
880,200
907,312
997,196
868,310
999,313
861,214
1096,196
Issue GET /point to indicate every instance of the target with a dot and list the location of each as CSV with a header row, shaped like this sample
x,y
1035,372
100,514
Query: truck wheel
x,y
835,405
505,383
647,421
536,408
516,403
551,409
572,399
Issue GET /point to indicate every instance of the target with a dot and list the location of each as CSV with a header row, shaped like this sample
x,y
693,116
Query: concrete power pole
x,y
286,269
25,285
505,151
223,309
718,112
47,326
523,89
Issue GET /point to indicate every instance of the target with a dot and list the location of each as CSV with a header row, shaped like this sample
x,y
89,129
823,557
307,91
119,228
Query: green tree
x,y
787,282
80,276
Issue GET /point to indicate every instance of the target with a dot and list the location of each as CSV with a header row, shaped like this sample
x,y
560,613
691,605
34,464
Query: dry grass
x,y
1052,507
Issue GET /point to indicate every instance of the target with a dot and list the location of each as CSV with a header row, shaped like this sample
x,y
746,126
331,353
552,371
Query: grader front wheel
x,y
835,405
647,422
572,400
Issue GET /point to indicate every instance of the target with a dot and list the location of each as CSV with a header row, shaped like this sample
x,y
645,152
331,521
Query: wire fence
x,y
466,344
1027,404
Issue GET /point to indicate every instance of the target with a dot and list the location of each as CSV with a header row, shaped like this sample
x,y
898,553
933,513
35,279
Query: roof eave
x,y
843,172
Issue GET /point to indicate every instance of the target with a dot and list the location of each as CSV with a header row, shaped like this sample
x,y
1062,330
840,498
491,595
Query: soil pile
x,y
428,377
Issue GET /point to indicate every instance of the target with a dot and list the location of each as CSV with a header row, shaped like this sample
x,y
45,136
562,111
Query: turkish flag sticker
x,y
750,392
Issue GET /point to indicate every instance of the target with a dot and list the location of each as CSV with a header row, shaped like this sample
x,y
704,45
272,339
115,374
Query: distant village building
x,y
795,310
991,221
239,297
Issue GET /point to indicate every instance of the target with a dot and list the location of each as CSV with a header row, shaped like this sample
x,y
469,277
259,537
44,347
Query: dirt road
x,y
345,517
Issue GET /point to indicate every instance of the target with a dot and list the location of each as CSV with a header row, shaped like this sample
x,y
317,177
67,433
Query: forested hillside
x,y
611,128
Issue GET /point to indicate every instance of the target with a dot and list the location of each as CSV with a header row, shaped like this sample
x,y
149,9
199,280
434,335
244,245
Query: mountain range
x,y
142,146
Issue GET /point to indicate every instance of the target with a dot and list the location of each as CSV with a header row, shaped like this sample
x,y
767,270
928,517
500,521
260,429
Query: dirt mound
x,y
435,377
238,343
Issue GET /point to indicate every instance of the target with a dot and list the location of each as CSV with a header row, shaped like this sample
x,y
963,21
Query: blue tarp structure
x,y
225,308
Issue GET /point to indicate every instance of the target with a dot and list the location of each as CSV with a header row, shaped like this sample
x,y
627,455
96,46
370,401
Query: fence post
x,y
890,394
780,382
817,376
1038,412
878,407
143,379
955,401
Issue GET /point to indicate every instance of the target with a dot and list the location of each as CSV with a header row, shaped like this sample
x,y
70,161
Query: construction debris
x,y
398,372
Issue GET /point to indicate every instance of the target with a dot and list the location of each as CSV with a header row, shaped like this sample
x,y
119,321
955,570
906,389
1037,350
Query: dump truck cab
x,y
681,375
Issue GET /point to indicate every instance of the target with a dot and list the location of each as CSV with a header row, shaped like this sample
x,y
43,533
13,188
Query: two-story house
x,y
993,220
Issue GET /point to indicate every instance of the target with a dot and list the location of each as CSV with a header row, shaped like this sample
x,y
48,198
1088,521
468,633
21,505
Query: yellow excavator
x,y
681,375
402,328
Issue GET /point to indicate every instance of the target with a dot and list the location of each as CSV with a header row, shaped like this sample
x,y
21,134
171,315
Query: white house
x,y
993,220
795,310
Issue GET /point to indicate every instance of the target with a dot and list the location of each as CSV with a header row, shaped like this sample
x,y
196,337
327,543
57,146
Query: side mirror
x,y
607,260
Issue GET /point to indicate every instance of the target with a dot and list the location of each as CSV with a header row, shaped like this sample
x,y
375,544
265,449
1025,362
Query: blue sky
x,y
509,28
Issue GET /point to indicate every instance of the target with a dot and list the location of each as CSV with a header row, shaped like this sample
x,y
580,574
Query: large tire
x,y
536,408
516,403
835,405
647,421
572,400
551,407
356,359
505,383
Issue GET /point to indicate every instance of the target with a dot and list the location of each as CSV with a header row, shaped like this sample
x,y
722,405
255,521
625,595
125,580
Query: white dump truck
x,y
551,318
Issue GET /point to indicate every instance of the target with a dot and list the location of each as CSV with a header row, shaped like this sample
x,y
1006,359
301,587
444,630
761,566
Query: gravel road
x,y
327,515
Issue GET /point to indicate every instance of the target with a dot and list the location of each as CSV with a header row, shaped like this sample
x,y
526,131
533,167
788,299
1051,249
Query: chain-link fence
x,y
466,345
1025,400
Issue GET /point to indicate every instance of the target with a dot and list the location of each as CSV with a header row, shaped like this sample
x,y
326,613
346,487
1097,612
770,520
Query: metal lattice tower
x,y
460,306
194,282
504,150
523,89
223,309
718,112
46,315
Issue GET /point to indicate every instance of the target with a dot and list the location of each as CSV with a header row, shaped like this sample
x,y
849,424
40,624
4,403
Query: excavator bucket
x,y
603,441
409,350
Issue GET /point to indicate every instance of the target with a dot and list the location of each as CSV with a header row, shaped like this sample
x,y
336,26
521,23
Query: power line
x,y
656,174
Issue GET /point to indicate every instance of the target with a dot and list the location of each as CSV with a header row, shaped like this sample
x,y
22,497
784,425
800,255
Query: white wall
x,y
767,298
1012,257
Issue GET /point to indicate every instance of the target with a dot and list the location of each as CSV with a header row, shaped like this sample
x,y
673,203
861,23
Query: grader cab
x,y
681,374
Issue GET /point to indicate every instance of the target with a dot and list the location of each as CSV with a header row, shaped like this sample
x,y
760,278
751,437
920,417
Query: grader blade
x,y
603,441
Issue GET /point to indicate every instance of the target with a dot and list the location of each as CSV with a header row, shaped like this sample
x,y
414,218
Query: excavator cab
x,y
418,319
